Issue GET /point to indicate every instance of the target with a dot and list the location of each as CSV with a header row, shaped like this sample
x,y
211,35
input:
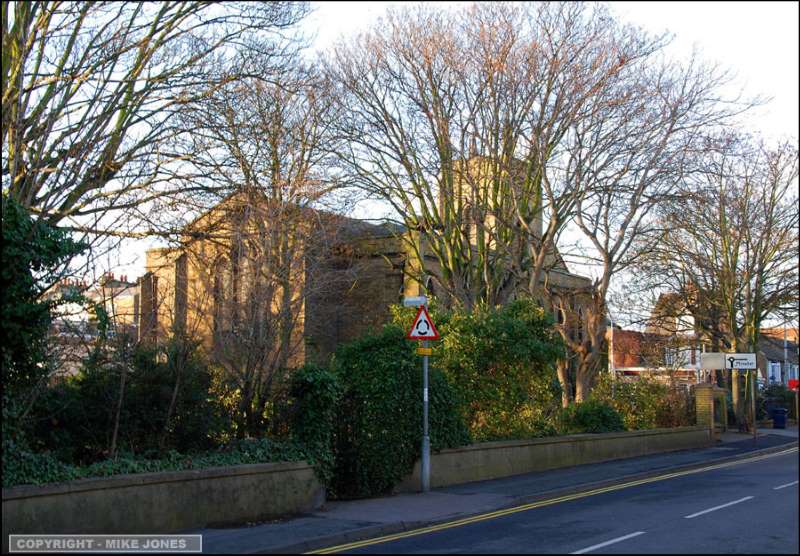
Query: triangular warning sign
x,y
423,328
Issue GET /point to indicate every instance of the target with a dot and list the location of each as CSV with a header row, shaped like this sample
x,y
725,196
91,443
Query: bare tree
x,y
90,97
458,121
733,258
631,153
258,253
90,94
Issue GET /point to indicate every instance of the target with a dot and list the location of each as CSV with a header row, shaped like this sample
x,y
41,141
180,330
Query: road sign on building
x,y
423,328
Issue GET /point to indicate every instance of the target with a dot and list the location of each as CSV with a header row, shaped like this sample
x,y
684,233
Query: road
x,y
748,507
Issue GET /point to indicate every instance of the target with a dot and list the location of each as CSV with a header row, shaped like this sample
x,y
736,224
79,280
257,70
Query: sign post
x,y
794,384
423,329
753,388
731,361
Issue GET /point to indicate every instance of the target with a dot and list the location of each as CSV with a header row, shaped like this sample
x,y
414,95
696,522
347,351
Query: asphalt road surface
x,y
743,508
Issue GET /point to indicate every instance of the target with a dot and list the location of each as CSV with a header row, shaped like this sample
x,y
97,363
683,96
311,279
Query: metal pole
x,y
425,460
753,403
785,368
426,442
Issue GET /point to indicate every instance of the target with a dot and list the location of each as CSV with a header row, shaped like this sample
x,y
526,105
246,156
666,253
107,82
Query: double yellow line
x,y
539,504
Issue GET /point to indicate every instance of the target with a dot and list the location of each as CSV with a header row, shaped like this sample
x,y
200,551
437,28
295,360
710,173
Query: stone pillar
x,y
702,401
703,394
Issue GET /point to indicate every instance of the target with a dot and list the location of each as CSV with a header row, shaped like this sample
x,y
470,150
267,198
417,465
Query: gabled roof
x,y
772,348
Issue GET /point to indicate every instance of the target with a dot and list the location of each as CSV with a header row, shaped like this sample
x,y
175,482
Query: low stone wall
x,y
162,502
492,460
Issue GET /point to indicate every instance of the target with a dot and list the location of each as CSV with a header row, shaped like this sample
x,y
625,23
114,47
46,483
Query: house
x,y
671,345
74,329
670,358
778,357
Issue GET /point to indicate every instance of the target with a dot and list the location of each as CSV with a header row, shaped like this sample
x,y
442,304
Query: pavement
x,y
349,521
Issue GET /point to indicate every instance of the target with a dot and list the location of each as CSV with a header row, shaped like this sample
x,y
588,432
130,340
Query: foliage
x,y
33,256
315,395
379,419
676,409
500,361
645,403
773,396
76,416
22,466
591,416
636,401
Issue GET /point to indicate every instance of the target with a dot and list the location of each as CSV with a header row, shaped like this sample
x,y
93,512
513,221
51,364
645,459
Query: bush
x,y
676,409
500,361
592,416
75,418
22,466
776,395
34,254
645,403
379,420
314,402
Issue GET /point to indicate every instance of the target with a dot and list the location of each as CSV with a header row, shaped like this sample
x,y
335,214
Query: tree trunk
x,y
562,368
179,364
738,399
242,418
583,380
113,448
582,388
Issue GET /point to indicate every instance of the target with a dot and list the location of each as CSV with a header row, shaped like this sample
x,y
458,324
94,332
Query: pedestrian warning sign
x,y
423,328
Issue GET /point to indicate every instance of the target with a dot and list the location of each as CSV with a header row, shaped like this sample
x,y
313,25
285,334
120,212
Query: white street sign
x,y
740,360
712,360
721,361
415,301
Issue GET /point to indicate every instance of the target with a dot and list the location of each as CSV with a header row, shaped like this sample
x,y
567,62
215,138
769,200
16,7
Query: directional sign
x,y
727,361
423,328
740,361
714,361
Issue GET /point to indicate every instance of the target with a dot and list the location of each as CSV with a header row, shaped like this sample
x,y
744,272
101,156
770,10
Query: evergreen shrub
x,y
591,416
501,363
378,427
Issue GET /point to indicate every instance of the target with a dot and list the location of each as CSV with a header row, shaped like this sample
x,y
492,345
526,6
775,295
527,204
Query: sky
x,y
757,41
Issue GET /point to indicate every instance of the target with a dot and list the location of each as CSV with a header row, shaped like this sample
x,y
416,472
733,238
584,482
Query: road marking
x,y
786,485
715,508
539,504
612,541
